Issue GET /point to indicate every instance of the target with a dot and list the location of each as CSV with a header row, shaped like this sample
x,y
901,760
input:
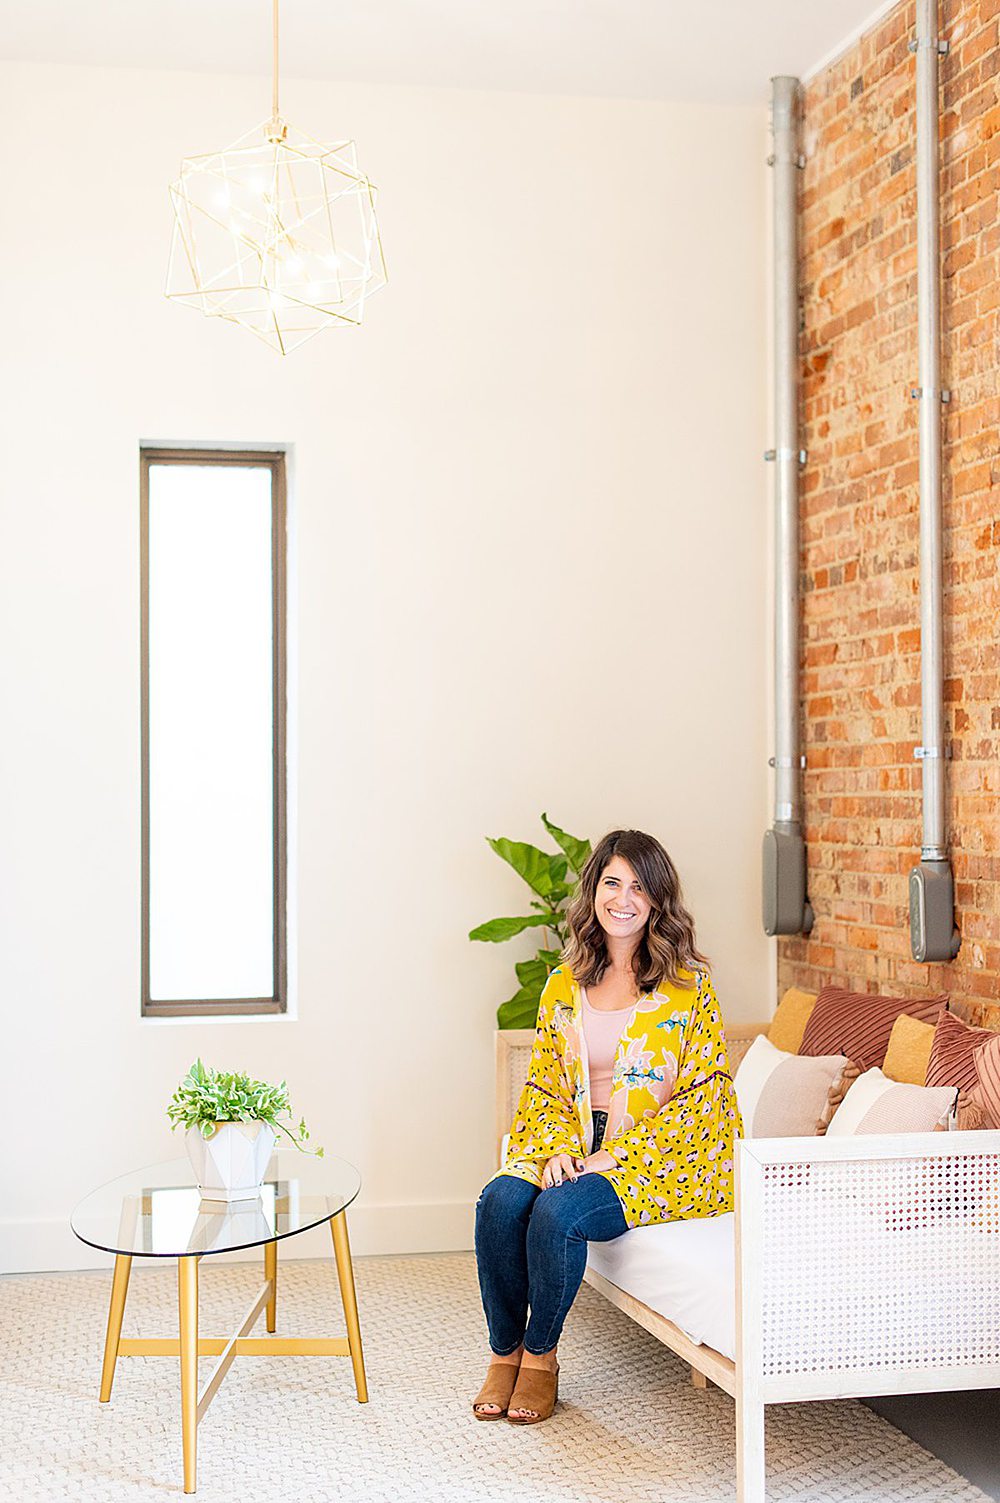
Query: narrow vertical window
x,y
213,732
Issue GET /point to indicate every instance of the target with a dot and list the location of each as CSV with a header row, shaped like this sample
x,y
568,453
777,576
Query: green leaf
x,y
505,928
550,958
528,861
578,851
532,973
521,1010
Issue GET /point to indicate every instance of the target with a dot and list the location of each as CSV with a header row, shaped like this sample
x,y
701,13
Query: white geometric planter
x,y
230,1165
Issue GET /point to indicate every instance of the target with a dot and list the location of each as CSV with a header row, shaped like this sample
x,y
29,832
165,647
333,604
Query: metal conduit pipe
x,y
786,909
933,935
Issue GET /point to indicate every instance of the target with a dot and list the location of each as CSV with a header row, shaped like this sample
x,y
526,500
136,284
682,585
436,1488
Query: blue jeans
x,y
531,1247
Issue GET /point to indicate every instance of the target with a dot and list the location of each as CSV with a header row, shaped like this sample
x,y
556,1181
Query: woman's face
x,y
620,902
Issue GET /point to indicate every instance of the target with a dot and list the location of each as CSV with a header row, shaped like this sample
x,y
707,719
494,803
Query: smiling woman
x,y
627,1118
615,900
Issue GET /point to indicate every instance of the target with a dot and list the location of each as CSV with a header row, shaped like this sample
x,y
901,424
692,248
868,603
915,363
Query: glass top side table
x,y
158,1212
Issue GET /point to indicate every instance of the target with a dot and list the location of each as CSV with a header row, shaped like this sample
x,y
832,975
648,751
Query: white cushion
x,y
875,1103
783,1095
684,1270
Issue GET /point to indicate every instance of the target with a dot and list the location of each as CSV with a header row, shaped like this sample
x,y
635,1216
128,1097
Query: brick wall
x,y
860,531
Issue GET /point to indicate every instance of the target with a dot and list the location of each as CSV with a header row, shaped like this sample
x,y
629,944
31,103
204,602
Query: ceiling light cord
x,y
274,75
277,130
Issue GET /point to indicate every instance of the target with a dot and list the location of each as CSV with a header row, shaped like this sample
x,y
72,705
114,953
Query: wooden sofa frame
x,y
864,1265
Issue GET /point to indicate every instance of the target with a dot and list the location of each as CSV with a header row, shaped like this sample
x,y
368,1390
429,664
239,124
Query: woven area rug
x,y
629,1425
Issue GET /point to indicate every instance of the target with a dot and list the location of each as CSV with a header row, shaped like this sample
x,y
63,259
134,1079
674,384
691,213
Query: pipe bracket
x,y
922,753
786,761
944,394
938,44
772,454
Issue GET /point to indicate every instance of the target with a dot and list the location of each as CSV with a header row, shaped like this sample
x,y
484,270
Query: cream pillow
x,y
876,1104
782,1095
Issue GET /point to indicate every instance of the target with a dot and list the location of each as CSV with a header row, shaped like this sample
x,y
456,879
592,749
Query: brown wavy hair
x,y
667,946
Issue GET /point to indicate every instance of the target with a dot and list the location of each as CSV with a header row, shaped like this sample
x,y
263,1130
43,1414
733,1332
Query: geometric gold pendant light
x,y
276,233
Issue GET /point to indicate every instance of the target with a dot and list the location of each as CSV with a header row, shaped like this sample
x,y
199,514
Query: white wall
x,y
530,553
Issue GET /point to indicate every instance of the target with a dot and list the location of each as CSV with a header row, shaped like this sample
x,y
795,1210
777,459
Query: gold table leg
x,y
271,1272
189,1345
119,1289
345,1273
187,1307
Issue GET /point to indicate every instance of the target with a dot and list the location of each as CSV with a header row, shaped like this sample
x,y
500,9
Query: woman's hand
x,y
560,1167
563,1166
597,1161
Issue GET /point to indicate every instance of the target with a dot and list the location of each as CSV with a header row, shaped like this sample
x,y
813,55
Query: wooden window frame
x,y
273,460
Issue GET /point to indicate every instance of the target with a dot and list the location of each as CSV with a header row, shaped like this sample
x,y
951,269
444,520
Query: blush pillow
x,y
877,1104
952,1061
858,1024
782,1095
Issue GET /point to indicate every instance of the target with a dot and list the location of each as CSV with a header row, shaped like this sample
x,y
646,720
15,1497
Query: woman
x,y
627,1118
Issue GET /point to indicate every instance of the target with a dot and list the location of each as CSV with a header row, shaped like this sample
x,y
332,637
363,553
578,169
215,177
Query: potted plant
x,y
231,1123
546,876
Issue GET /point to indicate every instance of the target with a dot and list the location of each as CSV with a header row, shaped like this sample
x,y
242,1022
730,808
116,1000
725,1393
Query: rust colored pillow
x,y
858,1024
969,1115
953,1051
984,1098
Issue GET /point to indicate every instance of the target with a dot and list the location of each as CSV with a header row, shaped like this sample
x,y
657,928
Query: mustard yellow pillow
x,y
790,1019
909,1050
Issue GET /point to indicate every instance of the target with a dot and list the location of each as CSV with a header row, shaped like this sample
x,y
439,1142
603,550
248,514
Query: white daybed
x,y
852,1266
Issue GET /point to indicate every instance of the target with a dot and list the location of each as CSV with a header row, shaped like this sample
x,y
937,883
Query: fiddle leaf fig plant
x,y
551,878
206,1096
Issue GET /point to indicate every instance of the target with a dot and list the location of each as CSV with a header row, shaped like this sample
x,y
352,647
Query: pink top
x,y
602,1030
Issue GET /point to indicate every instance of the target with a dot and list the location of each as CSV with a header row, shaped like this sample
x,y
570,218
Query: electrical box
x,y
786,909
933,935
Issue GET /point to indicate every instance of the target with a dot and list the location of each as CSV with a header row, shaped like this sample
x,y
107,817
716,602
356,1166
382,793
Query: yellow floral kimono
x,y
672,1117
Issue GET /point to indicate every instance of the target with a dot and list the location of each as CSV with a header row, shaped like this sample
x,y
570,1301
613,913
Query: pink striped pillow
x,y
858,1024
952,1059
986,1092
